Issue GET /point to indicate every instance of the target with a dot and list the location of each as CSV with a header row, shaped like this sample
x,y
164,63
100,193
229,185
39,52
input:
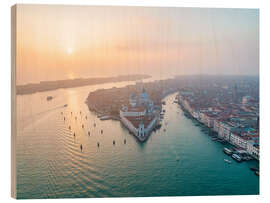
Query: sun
x,y
69,50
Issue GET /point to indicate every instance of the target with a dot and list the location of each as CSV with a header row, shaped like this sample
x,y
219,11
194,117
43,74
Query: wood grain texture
x,y
13,100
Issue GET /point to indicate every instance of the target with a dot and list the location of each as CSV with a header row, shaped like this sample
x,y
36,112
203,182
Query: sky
x,y
65,42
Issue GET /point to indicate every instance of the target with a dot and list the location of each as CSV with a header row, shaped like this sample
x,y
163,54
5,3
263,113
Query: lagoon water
x,y
182,160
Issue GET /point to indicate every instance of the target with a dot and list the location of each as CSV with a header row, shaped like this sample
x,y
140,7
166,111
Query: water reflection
x,y
179,161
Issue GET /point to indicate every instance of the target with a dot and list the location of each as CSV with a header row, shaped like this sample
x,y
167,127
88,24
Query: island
x,y
138,107
70,83
109,101
228,106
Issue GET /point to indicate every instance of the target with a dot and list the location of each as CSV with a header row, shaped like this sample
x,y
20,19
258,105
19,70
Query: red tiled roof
x,y
134,109
135,120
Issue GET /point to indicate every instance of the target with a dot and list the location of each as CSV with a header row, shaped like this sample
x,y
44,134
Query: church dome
x,y
144,95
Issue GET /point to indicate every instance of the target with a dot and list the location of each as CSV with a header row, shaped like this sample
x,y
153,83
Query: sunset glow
x,y
124,40
69,50
125,101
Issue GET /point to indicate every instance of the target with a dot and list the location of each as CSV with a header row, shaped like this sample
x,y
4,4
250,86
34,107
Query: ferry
x,y
227,151
237,157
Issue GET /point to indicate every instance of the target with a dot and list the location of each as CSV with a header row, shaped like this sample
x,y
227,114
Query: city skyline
x,y
66,42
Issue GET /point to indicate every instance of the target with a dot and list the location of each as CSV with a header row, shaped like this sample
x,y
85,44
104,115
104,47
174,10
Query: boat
x,y
100,115
49,98
65,105
228,161
104,118
227,151
214,139
221,140
237,157
257,173
254,168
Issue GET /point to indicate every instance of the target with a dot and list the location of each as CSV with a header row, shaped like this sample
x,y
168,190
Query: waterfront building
x,y
138,115
245,99
238,140
203,118
225,130
253,148
209,118
216,125
195,114
234,121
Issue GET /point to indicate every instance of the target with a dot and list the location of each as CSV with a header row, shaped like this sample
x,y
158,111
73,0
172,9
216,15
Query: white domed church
x,y
138,116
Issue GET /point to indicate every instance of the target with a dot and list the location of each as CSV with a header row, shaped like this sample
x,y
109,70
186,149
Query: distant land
x,y
58,84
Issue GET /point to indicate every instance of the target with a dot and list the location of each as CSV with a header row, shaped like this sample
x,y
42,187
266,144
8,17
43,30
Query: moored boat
x,y
237,157
227,151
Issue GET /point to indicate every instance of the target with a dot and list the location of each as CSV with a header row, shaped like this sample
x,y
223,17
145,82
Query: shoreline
x,y
103,117
46,86
211,132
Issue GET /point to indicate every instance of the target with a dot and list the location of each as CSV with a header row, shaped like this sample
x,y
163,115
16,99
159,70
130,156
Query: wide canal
x,y
178,159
